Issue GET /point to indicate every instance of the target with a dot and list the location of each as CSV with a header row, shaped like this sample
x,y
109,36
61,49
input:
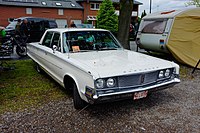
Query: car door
x,y
51,58
43,49
56,62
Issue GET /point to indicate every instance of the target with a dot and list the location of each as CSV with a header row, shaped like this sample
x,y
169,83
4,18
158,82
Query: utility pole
x,y
150,5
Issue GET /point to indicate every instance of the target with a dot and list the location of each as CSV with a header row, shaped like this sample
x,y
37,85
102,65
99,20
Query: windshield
x,y
89,41
154,26
11,25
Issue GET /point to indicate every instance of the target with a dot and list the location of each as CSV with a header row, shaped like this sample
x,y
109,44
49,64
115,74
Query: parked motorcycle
x,y
8,43
20,42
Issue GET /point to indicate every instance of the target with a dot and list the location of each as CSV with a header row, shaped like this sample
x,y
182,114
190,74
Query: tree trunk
x,y
126,7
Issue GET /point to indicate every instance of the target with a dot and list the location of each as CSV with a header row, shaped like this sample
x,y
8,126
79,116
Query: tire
x,y
78,102
21,52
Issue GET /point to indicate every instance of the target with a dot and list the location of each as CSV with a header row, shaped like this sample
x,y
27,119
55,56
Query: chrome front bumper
x,y
94,96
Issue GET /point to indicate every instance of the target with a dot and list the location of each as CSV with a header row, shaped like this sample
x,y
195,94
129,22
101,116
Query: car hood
x,y
118,62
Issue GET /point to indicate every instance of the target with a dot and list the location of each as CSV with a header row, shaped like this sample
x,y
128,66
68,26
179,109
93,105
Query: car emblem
x,y
142,78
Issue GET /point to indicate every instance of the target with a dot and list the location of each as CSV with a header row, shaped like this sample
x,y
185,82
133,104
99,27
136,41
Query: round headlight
x,y
110,82
100,83
161,74
167,73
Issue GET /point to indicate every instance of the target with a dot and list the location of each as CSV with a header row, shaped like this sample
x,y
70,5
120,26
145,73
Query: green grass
x,y
186,71
23,87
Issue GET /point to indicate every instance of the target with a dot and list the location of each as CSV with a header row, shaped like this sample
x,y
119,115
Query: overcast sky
x,y
161,5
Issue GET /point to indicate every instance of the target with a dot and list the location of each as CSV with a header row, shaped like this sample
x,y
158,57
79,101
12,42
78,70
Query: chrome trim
x,y
144,84
132,90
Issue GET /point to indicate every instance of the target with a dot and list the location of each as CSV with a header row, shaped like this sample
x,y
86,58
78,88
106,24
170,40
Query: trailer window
x,y
156,27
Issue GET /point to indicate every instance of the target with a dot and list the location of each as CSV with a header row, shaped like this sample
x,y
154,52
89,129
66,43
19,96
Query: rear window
x,y
154,26
52,24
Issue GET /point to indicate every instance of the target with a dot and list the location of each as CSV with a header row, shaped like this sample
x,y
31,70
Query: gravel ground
x,y
176,109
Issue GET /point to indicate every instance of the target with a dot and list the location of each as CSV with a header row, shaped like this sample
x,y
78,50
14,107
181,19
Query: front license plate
x,y
141,94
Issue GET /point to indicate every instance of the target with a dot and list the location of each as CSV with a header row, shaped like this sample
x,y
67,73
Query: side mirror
x,y
54,48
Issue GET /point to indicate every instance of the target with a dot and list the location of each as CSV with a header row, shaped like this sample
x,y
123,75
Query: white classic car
x,y
95,66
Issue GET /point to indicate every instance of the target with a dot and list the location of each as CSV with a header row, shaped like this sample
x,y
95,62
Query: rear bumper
x,y
94,97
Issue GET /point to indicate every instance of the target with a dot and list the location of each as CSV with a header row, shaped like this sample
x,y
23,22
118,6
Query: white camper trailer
x,y
176,32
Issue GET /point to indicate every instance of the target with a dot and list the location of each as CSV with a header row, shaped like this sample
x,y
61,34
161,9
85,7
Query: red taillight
x,y
162,41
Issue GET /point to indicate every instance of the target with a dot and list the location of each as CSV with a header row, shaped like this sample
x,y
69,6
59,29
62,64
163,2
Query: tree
x,y
193,2
143,14
126,7
106,18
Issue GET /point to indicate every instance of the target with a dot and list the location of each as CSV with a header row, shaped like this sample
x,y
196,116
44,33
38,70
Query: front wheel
x,y
21,51
78,102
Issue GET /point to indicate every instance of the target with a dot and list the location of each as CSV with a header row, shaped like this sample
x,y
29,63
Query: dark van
x,y
37,27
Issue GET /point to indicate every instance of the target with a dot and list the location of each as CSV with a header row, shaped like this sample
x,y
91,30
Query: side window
x,y
56,41
47,39
66,44
52,24
156,27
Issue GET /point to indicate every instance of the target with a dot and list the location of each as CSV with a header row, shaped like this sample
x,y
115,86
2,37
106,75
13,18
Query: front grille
x,y
150,77
136,80
130,80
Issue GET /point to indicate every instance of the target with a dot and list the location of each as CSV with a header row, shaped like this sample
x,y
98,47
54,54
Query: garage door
x,y
61,23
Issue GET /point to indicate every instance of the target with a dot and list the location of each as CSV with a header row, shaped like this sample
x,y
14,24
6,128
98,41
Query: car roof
x,y
33,18
74,29
167,14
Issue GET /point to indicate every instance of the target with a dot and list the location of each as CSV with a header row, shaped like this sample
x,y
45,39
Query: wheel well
x,y
68,82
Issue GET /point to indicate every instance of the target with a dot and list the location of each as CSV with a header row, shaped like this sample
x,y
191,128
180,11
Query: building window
x,y
58,4
97,6
73,5
44,3
60,12
28,10
94,6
